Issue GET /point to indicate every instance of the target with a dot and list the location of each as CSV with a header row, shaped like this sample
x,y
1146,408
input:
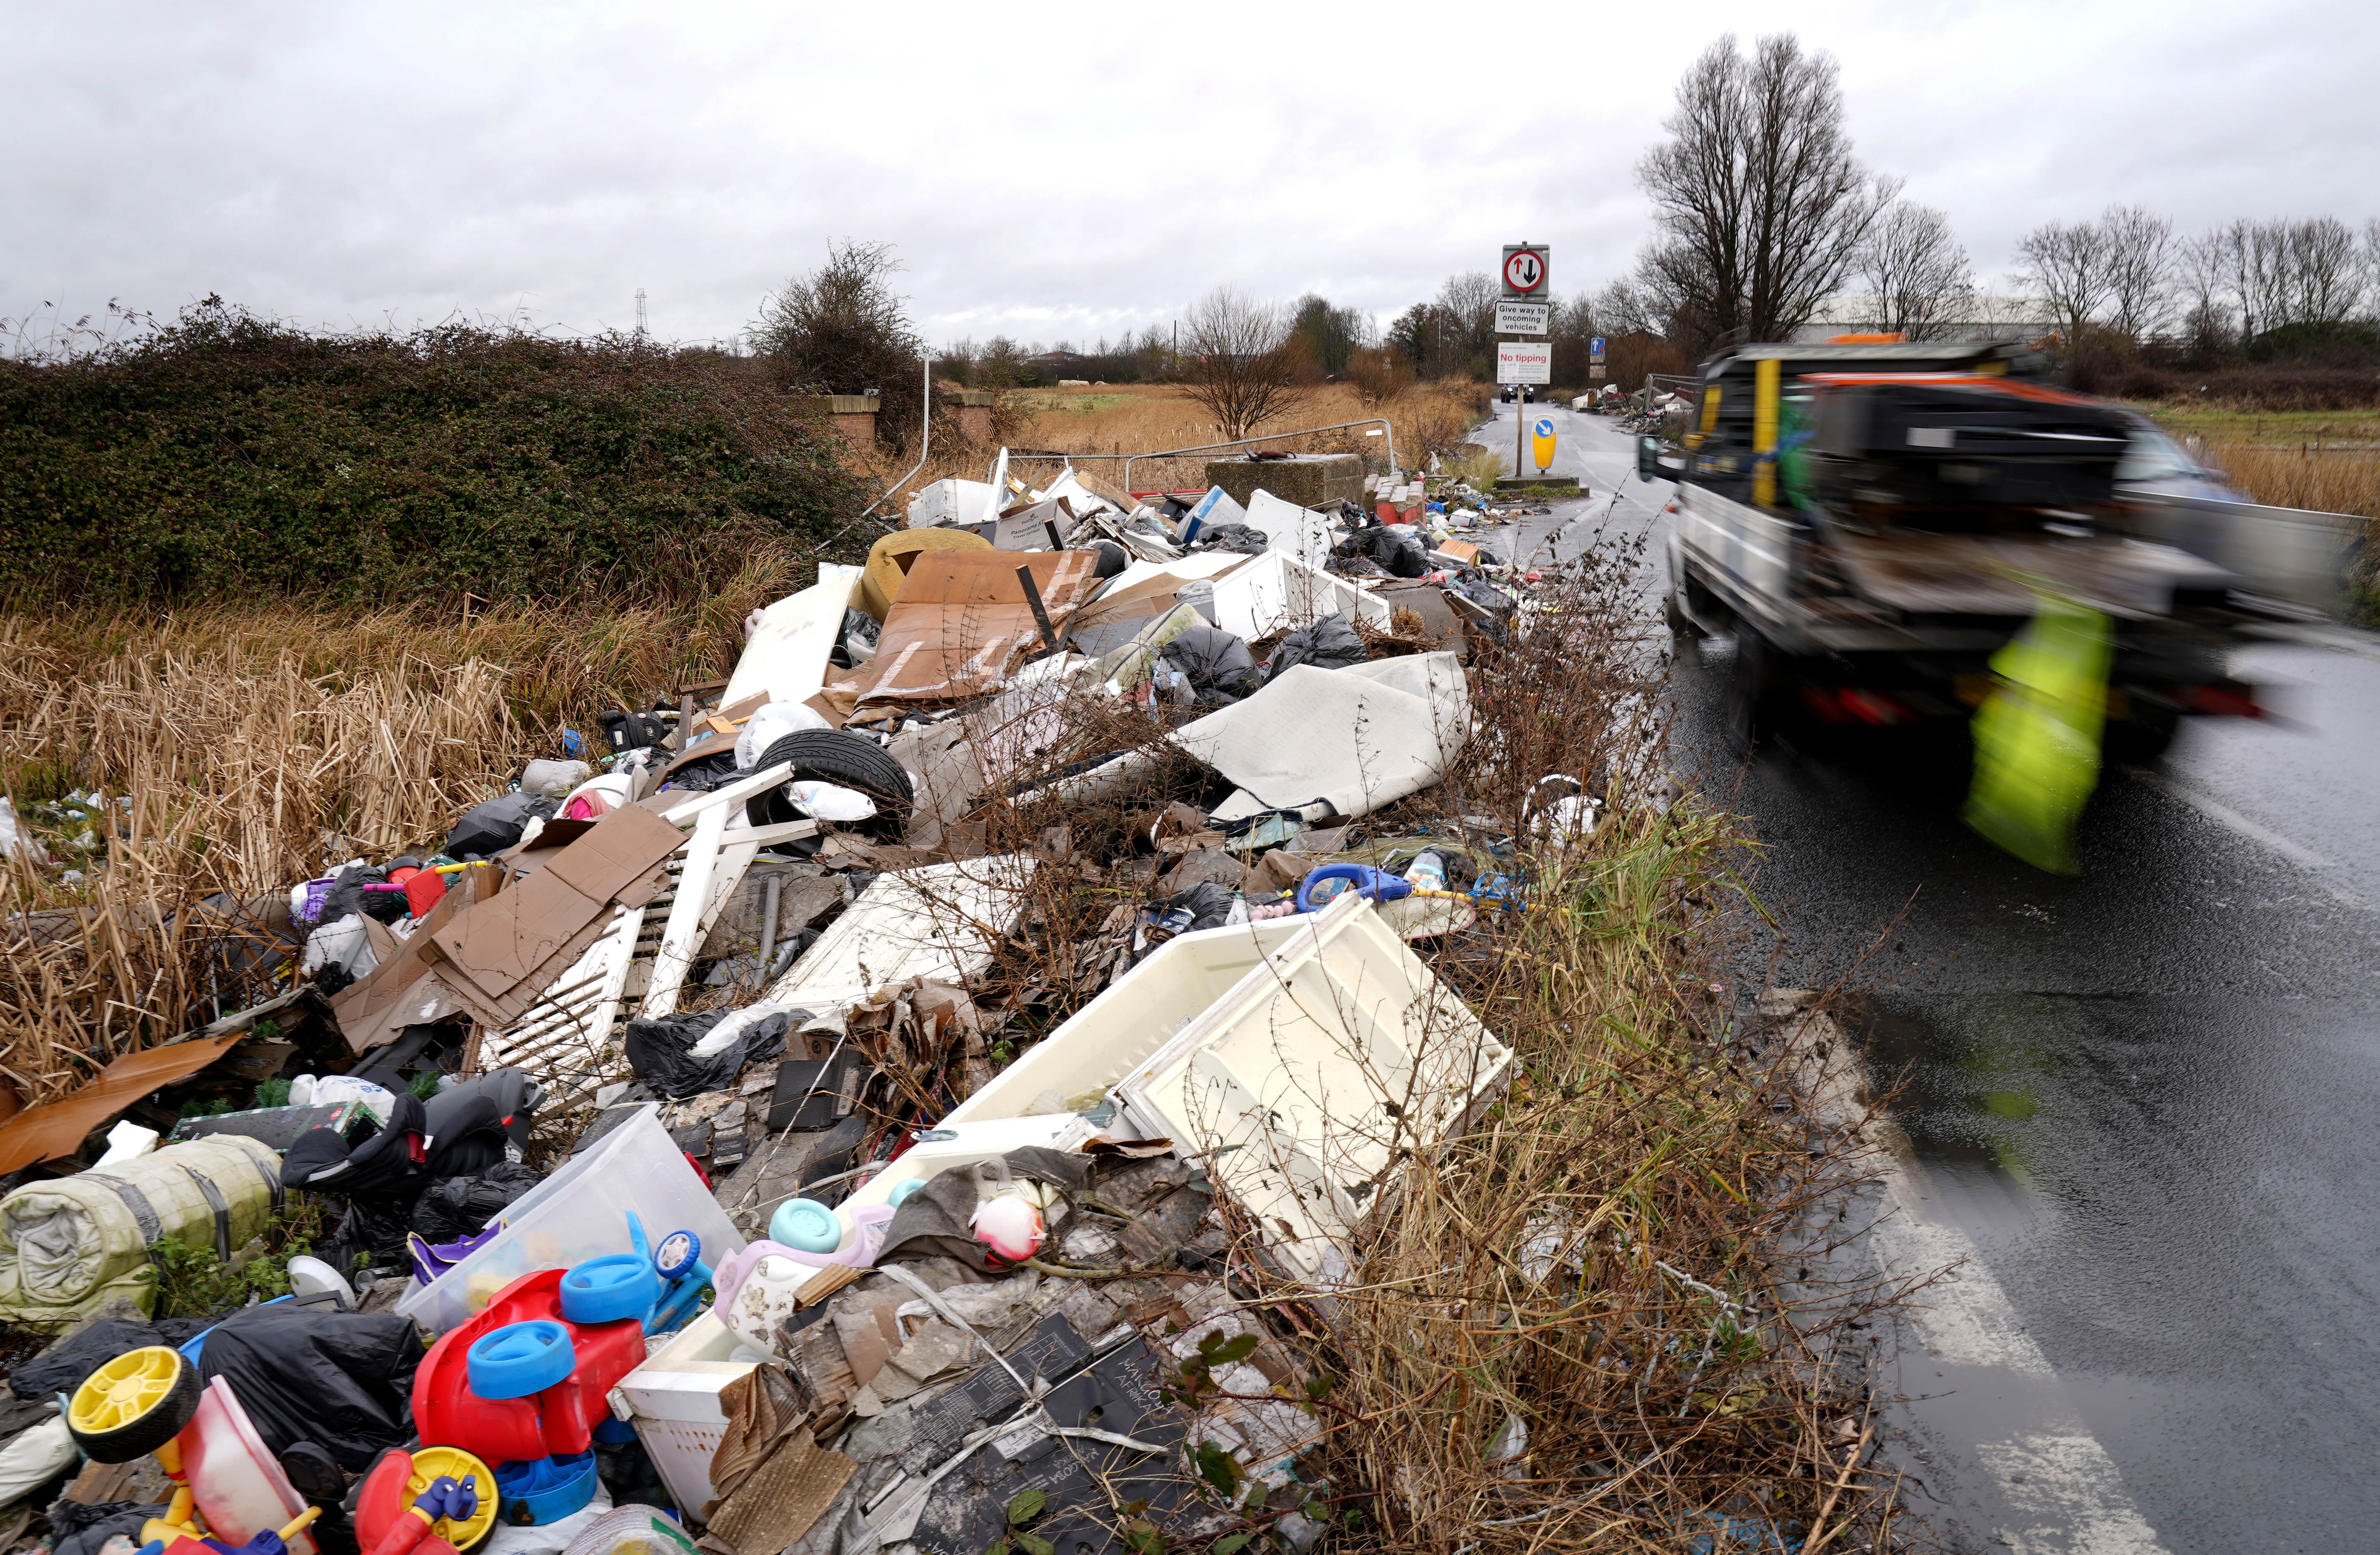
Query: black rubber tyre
x,y
1681,628
847,760
2143,736
159,1424
1756,707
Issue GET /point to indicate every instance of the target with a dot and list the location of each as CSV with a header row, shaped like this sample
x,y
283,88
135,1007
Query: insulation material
x,y
1278,593
891,559
1357,738
1299,533
785,659
69,1245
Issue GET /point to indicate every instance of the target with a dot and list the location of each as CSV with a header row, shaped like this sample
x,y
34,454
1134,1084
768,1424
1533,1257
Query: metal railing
x,y
1388,432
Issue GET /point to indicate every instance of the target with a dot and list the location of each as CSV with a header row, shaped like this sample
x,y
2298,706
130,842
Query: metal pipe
x,y
1041,615
925,438
775,889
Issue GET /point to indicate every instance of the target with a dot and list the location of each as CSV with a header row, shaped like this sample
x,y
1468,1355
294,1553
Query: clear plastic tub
x,y
580,1212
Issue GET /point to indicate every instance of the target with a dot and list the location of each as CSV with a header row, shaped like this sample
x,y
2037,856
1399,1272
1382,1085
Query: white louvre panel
x,y
562,1040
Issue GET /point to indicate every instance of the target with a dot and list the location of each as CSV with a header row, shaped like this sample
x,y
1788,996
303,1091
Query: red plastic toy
x,y
559,1421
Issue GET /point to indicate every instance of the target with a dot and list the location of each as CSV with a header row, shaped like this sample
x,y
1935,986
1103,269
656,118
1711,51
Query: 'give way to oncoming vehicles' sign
x,y
1525,361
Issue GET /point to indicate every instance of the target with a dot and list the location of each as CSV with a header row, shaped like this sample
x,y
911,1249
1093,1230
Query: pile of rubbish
x,y
706,1156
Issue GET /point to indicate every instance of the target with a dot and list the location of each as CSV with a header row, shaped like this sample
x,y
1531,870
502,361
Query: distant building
x,y
1054,363
1979,316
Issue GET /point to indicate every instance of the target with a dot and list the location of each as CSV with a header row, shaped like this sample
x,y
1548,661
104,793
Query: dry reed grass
x,y
2283,476
1428,419
259,742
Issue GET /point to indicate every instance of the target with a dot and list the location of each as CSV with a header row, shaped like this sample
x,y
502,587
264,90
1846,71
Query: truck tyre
x,y
1682,627
843,759
1753,700
2143,736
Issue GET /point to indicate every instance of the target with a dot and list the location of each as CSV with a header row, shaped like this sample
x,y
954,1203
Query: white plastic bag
x,y
771,725
826,801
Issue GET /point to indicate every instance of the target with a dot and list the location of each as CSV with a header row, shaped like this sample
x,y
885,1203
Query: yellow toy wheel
x,y
133,1405
428,1463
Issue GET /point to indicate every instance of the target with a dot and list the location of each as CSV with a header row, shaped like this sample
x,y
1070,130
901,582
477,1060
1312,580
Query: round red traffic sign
x,y
1524,270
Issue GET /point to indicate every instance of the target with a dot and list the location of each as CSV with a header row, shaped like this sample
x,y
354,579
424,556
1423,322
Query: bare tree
x,y
1625,308
2203,272
2140,255
2068,265
1916,271
2322,274
1469,304
1240,359
1761,206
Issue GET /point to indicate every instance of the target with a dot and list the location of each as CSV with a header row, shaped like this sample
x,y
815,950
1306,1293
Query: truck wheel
x,y
1755,698
2142,737
1681,627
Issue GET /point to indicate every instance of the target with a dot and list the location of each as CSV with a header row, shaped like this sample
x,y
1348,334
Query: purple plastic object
x,y
430,1260
316,892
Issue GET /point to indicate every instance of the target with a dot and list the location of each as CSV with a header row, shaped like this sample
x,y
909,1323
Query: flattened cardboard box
x,y
513,940
961,624
373,1009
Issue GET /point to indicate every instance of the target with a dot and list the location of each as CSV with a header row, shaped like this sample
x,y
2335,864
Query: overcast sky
x,y
1060,172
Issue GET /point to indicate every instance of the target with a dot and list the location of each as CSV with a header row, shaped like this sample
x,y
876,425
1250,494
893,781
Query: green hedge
x,y
226,453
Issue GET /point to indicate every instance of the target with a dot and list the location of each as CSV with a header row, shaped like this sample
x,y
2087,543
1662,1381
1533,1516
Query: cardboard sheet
x,y
962,625
505,943
57,1128
405,991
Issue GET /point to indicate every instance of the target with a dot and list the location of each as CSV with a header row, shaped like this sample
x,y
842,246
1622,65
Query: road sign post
x,y
1526,272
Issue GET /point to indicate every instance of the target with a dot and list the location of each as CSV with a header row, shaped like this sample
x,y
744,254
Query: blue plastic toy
x,y
541,1490
684,1276
604,1290
1378,884
519,1359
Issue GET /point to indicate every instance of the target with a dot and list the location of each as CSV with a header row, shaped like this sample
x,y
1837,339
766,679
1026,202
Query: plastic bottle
x,y
1427,872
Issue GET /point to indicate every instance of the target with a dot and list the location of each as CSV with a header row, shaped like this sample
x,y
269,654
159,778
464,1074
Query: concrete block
x,y
1307,480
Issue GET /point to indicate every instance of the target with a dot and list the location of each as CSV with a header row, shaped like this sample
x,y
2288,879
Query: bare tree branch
x,y
1915,272
1240,359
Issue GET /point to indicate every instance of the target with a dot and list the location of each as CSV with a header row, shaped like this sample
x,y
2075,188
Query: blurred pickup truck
x,y
1870,522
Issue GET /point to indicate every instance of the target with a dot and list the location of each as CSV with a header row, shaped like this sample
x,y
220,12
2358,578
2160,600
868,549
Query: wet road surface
x,y
2144,1102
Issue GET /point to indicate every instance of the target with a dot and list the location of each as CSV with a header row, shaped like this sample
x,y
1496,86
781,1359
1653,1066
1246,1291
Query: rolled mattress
x,y
69,1245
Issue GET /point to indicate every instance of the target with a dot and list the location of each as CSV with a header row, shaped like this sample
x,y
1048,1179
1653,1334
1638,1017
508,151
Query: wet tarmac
x,y
2146,1098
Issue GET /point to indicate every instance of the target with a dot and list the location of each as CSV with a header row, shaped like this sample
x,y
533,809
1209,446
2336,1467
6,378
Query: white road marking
x,y
2053,1474
2223,815
2063,1478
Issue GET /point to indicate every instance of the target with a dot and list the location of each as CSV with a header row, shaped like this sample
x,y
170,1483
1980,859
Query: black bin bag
x,y
343,1380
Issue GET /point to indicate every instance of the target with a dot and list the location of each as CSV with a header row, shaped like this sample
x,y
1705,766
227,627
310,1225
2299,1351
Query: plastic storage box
x,y
579,1213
